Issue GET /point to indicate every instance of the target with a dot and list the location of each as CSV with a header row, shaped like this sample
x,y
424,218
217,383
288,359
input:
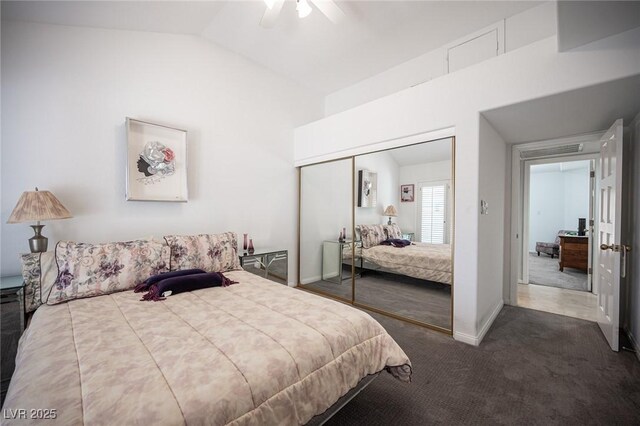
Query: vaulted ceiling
x,y
375,36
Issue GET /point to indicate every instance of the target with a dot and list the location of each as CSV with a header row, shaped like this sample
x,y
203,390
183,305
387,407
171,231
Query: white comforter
x,y
254,353
419,260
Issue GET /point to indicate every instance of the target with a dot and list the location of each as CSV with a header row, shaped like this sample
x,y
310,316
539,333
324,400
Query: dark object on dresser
x,y
574,252
582,226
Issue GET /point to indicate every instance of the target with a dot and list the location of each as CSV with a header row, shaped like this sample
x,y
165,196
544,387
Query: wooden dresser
x,y
574,252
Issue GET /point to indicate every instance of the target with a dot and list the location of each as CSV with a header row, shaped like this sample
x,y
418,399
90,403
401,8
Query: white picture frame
x,y
156,162
407,193
367,188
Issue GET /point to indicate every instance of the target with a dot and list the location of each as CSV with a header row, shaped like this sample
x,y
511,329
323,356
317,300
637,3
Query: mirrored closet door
x,y
326,224
377,231
404,230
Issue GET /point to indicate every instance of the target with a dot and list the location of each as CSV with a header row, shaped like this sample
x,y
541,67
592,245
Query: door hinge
x,y
592,174
590,271
591,222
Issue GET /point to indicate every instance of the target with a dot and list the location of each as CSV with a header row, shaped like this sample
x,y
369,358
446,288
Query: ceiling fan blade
x,y
330,10
271,15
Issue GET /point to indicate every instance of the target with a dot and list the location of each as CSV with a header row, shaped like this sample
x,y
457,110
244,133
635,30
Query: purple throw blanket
x,y
144,286
396,242
184,283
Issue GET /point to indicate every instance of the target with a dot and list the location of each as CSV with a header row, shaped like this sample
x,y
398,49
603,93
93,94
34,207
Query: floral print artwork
x,y
156,162
87,270
211,252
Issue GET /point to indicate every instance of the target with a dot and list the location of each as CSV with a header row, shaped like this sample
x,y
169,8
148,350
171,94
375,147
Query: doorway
x,y
558,220
560,206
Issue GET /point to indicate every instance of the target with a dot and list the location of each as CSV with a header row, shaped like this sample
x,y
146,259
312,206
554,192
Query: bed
x,y
256,352
419,260
424,261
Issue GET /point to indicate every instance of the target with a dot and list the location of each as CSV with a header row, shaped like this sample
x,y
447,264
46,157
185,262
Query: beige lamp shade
x,y
37,205
391,211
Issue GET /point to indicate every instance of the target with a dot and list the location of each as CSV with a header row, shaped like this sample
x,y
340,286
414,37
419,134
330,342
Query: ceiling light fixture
x,y
303,8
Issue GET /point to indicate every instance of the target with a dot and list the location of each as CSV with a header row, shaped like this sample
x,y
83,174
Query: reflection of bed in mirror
x,y
431,262
424,261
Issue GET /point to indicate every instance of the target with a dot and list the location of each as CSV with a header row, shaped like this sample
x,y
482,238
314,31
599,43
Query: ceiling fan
x,y
327,7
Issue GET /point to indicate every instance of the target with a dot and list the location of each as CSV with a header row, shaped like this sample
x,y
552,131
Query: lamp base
x,y
38,243
389,223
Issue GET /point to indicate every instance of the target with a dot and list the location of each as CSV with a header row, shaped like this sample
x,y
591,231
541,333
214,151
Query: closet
x,y
376,231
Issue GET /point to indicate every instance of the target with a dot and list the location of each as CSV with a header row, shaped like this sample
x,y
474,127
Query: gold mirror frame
x,y
353,301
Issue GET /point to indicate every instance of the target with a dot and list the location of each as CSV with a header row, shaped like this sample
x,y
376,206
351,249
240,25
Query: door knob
x,y
615,247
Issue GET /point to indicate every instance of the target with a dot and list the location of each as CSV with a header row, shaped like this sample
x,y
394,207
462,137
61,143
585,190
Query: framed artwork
x,y
367,188
156,162
407,193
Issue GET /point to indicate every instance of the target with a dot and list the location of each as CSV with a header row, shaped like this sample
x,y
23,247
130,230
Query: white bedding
x,y
253,353
419,260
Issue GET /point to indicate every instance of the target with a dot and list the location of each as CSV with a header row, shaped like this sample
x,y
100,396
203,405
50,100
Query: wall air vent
x,y
551,151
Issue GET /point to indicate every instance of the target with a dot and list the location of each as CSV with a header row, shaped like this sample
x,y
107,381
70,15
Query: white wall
x,y
491,189
520,30
65,94
546,207
325,208
633,238
581,22
436,171
388,187
576,197
455,100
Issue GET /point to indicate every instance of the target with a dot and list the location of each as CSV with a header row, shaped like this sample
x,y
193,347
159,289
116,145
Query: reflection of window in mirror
x,y
433,200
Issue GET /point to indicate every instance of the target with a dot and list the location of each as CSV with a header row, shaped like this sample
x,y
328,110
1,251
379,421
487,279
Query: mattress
x,y
419,260
252,353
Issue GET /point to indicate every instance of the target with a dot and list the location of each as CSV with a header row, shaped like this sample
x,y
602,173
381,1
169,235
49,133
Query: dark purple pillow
x,y
186,283
144,286
396,242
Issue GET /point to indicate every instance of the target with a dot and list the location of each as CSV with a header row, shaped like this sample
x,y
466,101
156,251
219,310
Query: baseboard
x,y
466,338
634,343
310,280
475,340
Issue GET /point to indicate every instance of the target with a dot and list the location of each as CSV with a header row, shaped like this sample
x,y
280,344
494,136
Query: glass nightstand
x,y
408,236
334,253
272,264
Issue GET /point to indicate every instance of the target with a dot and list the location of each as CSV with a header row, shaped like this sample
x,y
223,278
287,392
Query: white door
x,y
609,233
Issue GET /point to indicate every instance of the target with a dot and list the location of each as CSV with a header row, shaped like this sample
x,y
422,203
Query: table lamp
x,y
391,212
36,206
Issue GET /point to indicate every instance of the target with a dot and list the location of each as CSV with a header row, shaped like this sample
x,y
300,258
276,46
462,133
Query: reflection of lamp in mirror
x,y
391,212
34,206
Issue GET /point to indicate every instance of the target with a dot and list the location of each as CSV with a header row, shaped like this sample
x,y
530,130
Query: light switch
x,y
484,207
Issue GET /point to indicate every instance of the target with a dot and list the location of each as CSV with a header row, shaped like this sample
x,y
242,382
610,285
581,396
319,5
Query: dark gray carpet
x,y
532,368
544,271
421,300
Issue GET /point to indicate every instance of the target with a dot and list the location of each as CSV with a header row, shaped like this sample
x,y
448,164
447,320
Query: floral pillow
x,y
372,235
211,252
39,272
393,231
86,270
